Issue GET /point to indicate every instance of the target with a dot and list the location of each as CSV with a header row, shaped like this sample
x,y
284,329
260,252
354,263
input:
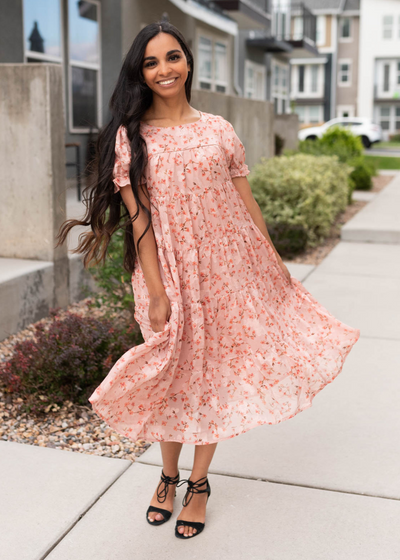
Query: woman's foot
x,y
167,504
195,510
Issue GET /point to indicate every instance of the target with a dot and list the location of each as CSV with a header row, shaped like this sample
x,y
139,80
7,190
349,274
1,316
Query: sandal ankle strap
x,y
166,480
193,488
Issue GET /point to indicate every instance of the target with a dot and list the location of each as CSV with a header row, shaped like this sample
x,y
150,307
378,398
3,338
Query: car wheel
x,y
312,137
366,141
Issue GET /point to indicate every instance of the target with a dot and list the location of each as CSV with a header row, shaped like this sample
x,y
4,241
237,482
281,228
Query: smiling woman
x,y
231,340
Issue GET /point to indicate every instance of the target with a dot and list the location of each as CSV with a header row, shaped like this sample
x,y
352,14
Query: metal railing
x,y
293,21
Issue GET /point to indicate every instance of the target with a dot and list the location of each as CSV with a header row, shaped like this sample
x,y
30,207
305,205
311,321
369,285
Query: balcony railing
x,y
293,21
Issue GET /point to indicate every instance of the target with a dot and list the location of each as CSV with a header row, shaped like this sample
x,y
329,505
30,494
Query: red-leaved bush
x,y
65,361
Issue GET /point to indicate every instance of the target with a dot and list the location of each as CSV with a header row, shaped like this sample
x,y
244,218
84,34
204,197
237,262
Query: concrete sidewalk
x,y
323,486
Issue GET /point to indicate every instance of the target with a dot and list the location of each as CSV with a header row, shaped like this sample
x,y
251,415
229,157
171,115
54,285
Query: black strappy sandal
x,y
161,497
193,488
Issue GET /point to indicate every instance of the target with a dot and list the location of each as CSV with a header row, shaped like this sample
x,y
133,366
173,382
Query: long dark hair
x,y
129,102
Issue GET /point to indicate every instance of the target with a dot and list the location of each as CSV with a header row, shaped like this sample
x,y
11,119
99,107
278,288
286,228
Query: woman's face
x,y
165,68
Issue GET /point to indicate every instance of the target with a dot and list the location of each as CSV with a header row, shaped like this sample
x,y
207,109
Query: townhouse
x,y
379,64
326,86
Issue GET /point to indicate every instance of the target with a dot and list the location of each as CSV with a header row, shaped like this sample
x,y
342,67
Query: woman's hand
x,y
159,312
284,269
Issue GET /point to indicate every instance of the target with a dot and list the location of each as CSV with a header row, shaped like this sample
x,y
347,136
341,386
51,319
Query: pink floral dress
x,y
243,346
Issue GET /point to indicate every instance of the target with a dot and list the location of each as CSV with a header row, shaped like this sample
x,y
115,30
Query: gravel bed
x,y
70,427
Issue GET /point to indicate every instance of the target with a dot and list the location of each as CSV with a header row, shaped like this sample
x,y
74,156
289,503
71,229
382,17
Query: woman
x,y
231,340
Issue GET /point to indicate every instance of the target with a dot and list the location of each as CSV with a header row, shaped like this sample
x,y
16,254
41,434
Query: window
x,y
321,30
345,28
301,112
255,77
280,90
298,28
221,63
397,124
213,64
344,78
84,60
398,73
386,77
205,63
387,27
301,78
42,31
312,114
314,78
384,115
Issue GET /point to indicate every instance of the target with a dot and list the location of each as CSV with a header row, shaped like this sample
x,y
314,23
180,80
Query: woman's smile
x,y
167,83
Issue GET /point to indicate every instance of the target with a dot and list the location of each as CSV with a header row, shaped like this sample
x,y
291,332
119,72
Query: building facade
x,y
379,64
327,86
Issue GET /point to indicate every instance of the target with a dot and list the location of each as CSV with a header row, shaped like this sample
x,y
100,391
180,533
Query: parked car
x,y
365,128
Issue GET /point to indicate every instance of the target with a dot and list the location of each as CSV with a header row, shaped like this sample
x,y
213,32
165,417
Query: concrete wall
x,y
32,167
252,120
287,126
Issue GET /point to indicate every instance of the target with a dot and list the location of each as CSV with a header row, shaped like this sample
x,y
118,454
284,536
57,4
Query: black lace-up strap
x,y
193,488
166,480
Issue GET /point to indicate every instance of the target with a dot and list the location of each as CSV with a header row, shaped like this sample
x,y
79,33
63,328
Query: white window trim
x,y
213,38
394,87
322,41
258,68
340,62
345,39
90,66
307,93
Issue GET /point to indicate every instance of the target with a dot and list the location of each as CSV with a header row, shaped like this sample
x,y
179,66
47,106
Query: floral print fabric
x,y
243,346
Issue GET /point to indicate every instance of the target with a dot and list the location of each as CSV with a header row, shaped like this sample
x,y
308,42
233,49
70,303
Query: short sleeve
x,y
234,151
122,160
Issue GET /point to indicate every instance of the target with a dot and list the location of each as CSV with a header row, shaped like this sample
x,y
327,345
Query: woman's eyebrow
x,y
154,57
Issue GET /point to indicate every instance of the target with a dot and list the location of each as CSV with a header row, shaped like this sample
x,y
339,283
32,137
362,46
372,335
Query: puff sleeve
x,y
234,151
122,160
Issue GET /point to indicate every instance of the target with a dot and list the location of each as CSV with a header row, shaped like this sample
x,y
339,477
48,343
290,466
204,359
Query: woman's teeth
x,y
167,81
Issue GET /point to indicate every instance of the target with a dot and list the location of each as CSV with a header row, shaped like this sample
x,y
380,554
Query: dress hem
x,y
306,404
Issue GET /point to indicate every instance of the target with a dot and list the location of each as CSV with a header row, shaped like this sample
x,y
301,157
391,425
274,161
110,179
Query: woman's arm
x,y
159,310
244,189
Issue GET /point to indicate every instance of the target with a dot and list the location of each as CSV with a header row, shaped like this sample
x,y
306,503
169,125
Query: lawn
x,y
394,145
384,162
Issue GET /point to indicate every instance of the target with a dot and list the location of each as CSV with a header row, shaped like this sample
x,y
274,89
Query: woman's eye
x,y
172,57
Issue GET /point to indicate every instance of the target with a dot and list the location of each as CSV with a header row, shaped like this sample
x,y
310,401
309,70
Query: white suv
x,y
365,128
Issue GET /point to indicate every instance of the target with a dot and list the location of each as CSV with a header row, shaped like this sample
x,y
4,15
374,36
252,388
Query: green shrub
x,y
336,141
65,361
394,138
363,171
114,281
300,197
